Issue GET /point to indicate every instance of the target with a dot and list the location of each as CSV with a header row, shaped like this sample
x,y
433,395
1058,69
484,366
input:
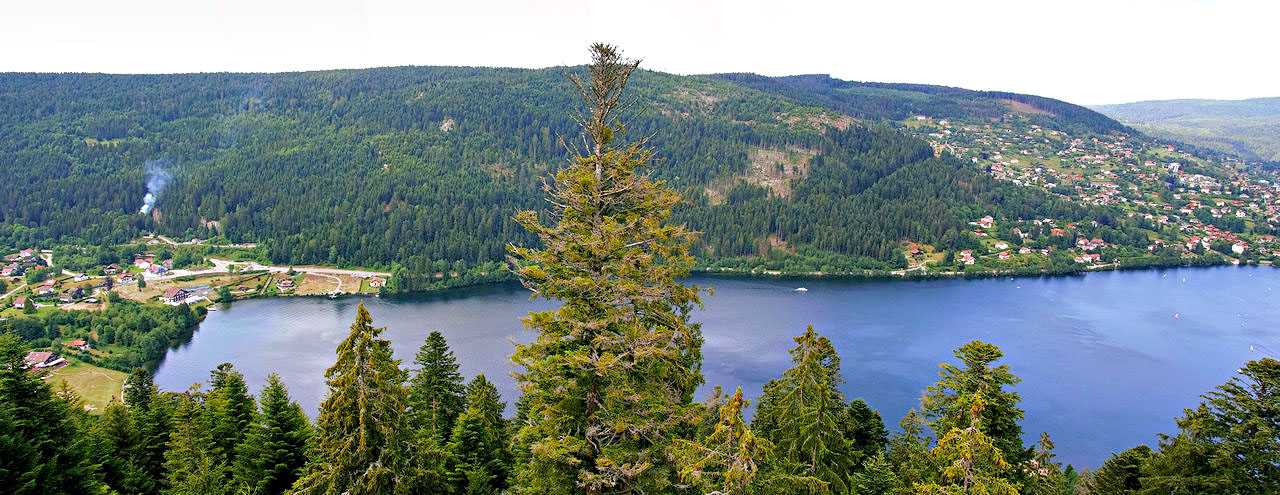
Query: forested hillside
x,y
401,167
1249,129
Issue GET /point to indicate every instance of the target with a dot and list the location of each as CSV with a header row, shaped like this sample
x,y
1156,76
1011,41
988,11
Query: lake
x,y
1107,359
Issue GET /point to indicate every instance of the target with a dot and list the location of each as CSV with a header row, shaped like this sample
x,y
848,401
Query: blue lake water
x,y
1107,359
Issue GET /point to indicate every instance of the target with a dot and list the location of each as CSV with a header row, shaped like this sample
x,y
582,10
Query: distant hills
x,y
416,166
1249,129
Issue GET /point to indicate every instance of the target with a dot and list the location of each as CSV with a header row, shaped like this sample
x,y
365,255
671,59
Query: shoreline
x,y
869,275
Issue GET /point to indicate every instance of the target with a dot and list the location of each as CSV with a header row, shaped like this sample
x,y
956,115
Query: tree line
x,y
606,403
398,168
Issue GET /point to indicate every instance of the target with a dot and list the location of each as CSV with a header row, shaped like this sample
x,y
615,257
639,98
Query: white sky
x,y
1083,51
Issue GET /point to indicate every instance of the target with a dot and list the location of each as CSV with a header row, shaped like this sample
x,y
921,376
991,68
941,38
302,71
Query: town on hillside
x,y
1171,206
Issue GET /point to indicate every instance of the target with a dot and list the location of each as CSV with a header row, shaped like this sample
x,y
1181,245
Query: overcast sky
x,y
1083,51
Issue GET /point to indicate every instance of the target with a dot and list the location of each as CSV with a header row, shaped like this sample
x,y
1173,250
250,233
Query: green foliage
x,y
361,437
875,478
410,167
228,412
145,331
942,401
436,391
192,461
119,446
609,380
41,448
1229,444
971,461
477,460
801,413
729,458
1122,473
1044,476
909,453
273,453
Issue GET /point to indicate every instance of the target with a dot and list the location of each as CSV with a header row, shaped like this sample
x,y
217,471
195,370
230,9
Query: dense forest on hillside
x,y
415,166
607,387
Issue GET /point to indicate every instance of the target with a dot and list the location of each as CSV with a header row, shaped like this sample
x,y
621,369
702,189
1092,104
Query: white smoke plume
x,y
158,178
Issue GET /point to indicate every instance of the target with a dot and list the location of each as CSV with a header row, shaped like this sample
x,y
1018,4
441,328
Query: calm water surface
x,y
1107,359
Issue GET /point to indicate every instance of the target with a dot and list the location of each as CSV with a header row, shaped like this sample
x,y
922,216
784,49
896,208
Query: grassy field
x,y
156,288
96,386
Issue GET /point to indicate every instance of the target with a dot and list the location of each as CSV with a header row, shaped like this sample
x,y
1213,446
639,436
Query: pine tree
x,y
731,459
909,454
1121,474
140,389
477,446
971,462
155,427
804,411
436,390
1002,416
229,411
192,461
875,478
273,454
120,448
1045,476
864,430
361,438
609,381
42,449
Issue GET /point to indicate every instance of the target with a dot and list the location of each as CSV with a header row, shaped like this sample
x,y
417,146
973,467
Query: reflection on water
x,y
1105,364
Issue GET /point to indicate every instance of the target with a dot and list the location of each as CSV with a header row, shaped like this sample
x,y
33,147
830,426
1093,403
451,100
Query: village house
x,y
78,344
285,284
20,303
175,296
42,359
376,282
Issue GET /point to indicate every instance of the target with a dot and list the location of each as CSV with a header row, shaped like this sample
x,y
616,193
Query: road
x,y
14,291
223,266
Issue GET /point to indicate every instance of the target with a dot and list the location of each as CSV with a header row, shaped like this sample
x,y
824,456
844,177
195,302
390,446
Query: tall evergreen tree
x,y
192,461
802,414
478,445
909,454
140,389
875,478
273,453
120,449
155,427
229,411
1001,412
436,391
361,441
609,381
732,459
42,448
864,430
971,462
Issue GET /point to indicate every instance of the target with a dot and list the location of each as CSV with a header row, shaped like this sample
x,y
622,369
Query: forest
x,y
606,404
410,167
